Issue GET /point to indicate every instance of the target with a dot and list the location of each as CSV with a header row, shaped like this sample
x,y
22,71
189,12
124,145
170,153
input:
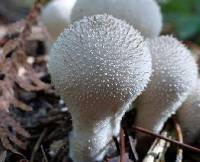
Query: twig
x,y
122,145
31,18
44,154
157,150
132,143
37,145
182,145
179,134
116,144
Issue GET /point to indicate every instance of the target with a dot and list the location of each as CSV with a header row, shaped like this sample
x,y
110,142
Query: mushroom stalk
x,y
189,115
143,15
99,65
91,144
173,79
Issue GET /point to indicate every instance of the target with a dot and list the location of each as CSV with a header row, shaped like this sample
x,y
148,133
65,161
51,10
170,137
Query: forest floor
x,y
35,123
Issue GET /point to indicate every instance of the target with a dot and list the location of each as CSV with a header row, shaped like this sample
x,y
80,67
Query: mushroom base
x,y
91,144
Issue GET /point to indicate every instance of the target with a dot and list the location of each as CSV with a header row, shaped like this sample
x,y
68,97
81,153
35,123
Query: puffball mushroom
x,y
56,16
144,15
189,116
173,78
99,65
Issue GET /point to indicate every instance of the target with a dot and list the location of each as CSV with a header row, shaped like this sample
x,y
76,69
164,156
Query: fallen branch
x,y
179,135
38,144
182,145
122,145
157,150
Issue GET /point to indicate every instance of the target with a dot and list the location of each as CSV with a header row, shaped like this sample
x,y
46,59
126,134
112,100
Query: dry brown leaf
x,y
16,70
9,132
9,47
14,67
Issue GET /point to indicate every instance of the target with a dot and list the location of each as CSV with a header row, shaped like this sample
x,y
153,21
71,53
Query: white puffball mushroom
x,y
144,15
56,16
99,65
173,78
189,116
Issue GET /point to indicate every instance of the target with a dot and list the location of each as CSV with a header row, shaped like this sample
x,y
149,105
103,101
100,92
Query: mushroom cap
x,y
189,115
144,15
99,62
173,78
56,16
98,65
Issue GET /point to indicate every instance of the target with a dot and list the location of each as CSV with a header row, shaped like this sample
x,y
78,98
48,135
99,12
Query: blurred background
x,y
181,17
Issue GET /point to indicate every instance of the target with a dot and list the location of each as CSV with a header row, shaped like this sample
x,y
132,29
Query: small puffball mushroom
x,y
99,65
173,78
144,15
56,16
189,116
